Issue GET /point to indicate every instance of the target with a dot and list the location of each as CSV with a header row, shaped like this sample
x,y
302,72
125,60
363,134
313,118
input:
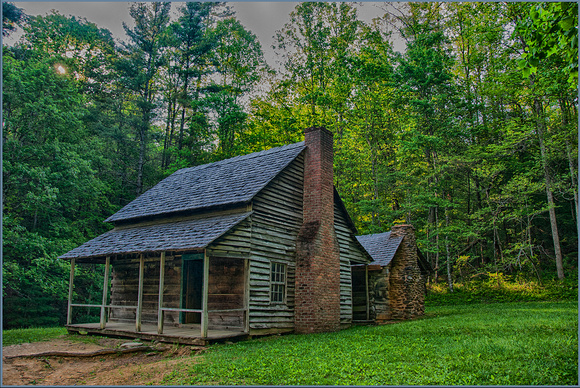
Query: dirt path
x,y
138,368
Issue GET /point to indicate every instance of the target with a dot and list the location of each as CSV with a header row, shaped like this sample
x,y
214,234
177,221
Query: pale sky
x,y
262,18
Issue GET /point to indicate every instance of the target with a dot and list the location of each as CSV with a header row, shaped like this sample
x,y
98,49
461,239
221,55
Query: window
x,y
278,283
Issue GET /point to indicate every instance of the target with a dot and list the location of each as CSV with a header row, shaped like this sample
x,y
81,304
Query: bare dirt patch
x,y
147,367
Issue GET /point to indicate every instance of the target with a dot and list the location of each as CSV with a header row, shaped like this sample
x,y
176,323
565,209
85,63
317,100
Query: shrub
x,y
499,287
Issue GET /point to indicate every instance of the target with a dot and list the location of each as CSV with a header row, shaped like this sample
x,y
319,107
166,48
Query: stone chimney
x,y
317,298
403,230
406,283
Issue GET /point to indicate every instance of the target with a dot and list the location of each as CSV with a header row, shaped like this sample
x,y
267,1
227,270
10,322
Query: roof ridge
x,y
237,158
373,234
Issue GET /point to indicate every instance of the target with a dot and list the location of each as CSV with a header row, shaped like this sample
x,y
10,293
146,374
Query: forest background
x,y
470,134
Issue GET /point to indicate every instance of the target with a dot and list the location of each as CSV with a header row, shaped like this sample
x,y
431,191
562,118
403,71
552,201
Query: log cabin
x,y
256,244
395,279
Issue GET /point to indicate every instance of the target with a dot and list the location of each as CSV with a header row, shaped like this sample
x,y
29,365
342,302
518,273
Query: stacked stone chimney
x,y
406,285
317,298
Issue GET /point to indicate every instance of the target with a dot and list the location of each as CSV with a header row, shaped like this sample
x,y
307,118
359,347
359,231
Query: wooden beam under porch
x,y
187,334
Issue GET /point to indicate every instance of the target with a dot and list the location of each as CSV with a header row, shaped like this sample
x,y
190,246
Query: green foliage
x,y
452,345
22,336
239,64
139,65
53,195
33,311
497,287
551,30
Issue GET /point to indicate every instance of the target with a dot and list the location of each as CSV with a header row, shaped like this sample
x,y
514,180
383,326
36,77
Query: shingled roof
x,y
381,246
227,182
170,236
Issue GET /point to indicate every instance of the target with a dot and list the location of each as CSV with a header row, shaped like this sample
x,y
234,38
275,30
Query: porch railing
x,y
103,320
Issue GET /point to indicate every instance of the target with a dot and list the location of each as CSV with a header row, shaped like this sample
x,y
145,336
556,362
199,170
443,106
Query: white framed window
x,y
278,283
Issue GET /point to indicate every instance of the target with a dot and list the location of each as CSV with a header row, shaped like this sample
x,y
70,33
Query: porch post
x,y
105,290
70,292
161,286
140,294
367,289
247,295
205,295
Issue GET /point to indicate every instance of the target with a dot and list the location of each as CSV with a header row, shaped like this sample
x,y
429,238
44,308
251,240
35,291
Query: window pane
x,y
277,282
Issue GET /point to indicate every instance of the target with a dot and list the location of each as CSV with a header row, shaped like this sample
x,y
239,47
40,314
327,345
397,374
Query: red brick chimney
x,y
317,297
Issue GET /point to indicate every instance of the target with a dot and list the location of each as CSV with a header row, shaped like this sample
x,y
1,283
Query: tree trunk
x,y
171,110
565,115
538,112
436,245
551,207
572,176
494,246
449,278
184,98
141,161
468,197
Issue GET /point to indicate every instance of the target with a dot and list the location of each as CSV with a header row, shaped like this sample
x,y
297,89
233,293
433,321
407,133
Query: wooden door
x,y
192,289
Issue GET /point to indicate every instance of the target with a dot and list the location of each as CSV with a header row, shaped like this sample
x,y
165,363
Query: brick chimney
x,y
317,298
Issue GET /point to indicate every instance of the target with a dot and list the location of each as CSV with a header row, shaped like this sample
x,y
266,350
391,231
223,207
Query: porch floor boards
x,y
189,334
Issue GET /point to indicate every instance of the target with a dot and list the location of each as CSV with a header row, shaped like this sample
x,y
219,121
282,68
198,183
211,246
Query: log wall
x,y
235,243
226,291
275,223
347,252
125,286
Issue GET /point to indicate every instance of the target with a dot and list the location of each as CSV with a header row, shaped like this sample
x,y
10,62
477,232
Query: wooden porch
x,y
189,334
223,311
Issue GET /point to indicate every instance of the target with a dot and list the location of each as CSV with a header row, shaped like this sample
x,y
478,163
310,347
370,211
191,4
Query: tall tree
x,y
240,65
427,92
304,43
12,16
143,57
538,110
193,44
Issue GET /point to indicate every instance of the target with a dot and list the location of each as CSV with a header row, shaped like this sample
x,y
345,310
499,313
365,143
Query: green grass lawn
x,y
531,343
21,336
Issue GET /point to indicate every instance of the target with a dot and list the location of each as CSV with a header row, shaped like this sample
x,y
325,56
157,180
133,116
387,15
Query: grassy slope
x,y
533,343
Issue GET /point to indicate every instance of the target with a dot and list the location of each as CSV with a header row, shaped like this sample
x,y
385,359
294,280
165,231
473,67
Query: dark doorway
x,y
359,293
192,289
